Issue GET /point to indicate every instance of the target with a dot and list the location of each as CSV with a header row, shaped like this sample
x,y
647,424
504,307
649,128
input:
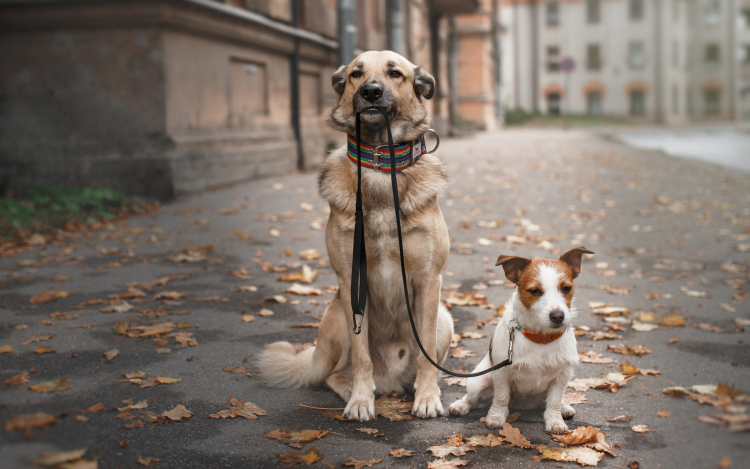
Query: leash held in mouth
x,y
359,256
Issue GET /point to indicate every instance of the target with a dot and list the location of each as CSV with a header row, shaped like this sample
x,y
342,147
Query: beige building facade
x,y
653,60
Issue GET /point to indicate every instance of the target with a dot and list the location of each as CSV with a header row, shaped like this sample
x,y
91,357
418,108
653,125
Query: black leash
x,y
359,258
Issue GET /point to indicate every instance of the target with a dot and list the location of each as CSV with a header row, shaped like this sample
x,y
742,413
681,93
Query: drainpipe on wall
x,y
452,71
497,52
395,26
534,59
658,65
347,30
734,96
294,88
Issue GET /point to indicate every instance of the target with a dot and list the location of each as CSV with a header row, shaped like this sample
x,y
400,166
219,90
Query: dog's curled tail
x,y
281,367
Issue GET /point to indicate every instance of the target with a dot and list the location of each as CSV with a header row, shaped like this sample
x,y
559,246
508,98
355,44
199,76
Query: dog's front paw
x,y
362,409
556,426
427,405
496,418
568,412
460,407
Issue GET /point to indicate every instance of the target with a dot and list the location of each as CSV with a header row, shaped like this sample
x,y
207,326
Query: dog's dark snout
x,y
556,317
371,91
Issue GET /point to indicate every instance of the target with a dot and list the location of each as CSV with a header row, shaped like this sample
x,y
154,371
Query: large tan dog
x,y
385,356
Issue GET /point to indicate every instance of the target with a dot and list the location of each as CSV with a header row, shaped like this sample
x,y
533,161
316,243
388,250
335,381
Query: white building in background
x,y
659,60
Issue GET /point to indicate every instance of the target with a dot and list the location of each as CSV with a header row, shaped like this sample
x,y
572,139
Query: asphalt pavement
x,y
672,248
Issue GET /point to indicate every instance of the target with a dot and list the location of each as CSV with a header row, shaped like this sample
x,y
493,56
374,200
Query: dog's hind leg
x,y
477,390
340,385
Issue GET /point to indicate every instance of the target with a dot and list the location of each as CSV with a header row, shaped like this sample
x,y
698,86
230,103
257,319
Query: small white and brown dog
x,y
544,352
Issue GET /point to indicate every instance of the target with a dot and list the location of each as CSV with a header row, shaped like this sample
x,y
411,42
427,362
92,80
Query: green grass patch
x,y
519,117
46,209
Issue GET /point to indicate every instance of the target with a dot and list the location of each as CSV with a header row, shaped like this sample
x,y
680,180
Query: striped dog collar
x,y
378,157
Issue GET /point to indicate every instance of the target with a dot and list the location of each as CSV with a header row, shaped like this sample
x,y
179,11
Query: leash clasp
x,y
512,332
358,327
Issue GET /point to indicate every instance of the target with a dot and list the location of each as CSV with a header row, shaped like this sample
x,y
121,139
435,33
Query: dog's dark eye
x,y
566,290
356,74
395,74
536,292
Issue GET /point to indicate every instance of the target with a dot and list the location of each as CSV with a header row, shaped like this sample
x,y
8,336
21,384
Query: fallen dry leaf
x,y
305,275
578,436
111,354
37,338
18,379
298,289
486,441
459,352
248,317
296,439
146,461
6,349
308,458
643,326
95,408
44,349
51,386
625,349
237,369
360,464
265,312
465,299
441,451
393,408
620,418
673,320
401,453
583,456
447,464
82,418
574,398
179,413
48,296
664,413
584,384
276,298
53,458
28,421
593,357
130,406
514,436
616,290
641,429
239,409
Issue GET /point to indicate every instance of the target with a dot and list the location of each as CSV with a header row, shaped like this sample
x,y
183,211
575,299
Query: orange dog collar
x,y
541,338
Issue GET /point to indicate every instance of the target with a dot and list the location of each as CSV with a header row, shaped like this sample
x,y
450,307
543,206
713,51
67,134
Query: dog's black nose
x,y
556,317
371,91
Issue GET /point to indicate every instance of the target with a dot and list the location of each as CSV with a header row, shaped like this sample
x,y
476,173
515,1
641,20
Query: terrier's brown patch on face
x,y
529,286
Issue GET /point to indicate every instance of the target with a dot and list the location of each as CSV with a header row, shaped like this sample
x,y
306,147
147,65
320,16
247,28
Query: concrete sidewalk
x,y
669,235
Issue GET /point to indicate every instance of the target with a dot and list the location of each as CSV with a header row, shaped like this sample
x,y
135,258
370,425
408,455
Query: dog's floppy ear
x,y
573,259
513,266
338,80
424,84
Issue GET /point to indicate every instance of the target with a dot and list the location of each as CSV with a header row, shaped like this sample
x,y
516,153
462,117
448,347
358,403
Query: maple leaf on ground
x,y
360,464
37,338
393,408
401,453
616,290
95,408
601,445
44,349
111,354
672,320
459,352
643,326
146,461
620,418
28,421
447,464
370,431
593,357
239,409
298,289
578,436
18,379
6,349
583,456
296,439
628,369
441,451
237,369
514,437
452,380
130,406
584,384
53,458
574,398
641,429
308,458
625,349
48,296
486,441
51,386
472,335
305,275
664,413
465,299
179,413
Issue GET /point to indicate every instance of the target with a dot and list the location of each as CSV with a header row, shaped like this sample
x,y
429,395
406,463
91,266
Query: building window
x,y
594,103
593,57
637,103
711,12
553,59
553,104
636,9
593,11
637,55
712,53
553,12
712,98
